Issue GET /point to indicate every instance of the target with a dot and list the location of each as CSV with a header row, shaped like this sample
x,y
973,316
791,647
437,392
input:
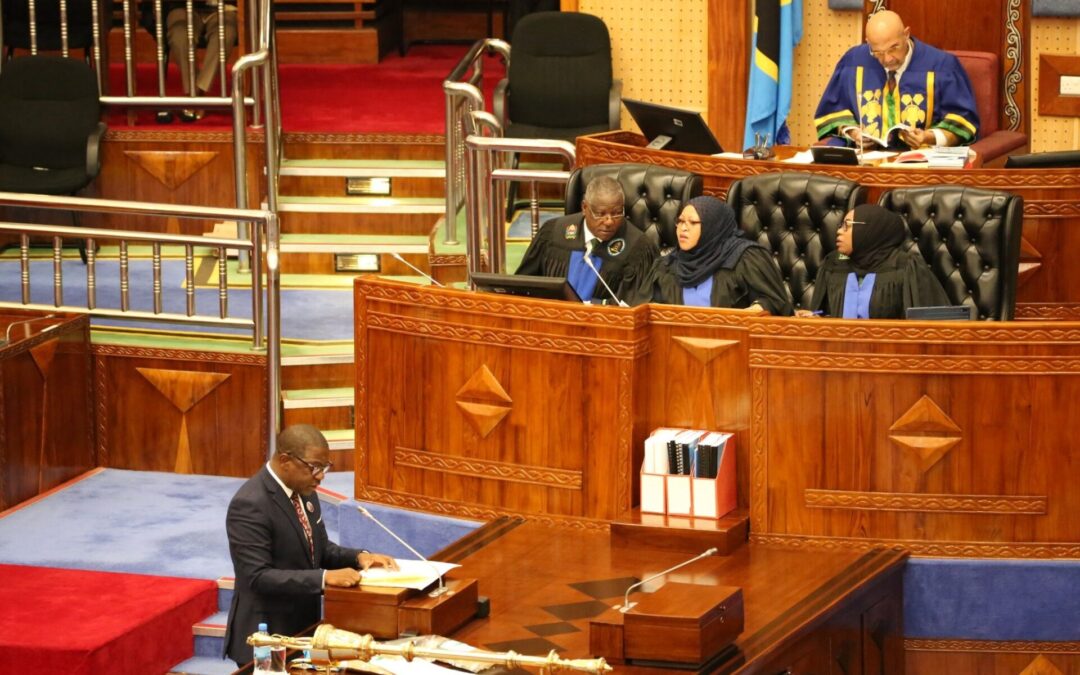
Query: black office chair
x,y
654,195
796,216
559,82
50,127
971,239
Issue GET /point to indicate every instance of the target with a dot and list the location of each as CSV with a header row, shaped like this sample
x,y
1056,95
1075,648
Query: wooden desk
x,y
46,405
1049,283
948,439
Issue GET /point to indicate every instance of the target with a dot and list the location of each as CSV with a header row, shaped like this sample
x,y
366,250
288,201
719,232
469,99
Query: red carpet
x,y
69,621
398,95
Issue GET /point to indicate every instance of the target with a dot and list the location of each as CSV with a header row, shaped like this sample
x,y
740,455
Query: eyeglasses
x,y
316,469
894,50
613,215
687,223
846,225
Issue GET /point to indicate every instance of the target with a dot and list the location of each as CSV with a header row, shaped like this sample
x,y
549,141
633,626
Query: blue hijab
x,y
720,246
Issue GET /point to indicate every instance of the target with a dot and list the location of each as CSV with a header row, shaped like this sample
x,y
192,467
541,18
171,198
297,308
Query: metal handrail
x,y
485,156
263,232
463,96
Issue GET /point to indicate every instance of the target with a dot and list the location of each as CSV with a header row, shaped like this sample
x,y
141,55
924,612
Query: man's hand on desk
x,y
916,138
366,560
866,143
343,578
807,314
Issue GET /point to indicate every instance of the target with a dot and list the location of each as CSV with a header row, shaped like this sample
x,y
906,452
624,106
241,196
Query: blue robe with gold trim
x,y
934,92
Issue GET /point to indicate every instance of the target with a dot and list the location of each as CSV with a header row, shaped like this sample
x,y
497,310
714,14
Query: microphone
x,y
441,589
589,262
626,605
414,268
7,334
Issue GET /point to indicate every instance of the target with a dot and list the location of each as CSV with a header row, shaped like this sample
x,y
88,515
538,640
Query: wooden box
x,y
683,623
387,613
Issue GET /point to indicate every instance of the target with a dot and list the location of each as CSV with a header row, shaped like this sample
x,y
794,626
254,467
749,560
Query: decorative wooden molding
x,y
171,168
1048,312
518,339
361,409
101,395
626,440
483,401
927,431
481,303
3,444
487,469
704,349
929,549
759,432
1051,208
394,139
681,316
1051,100
974,333
1013,646
971,365
931,503
254,359
1015,95
483,386
157,136
476,511
446,259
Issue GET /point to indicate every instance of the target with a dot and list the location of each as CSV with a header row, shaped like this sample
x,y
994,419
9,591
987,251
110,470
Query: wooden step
x,y
333,397
354,243
340,439
363,205
364,168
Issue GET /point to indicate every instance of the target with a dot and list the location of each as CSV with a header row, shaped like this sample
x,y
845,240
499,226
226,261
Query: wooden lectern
x,y
684,624
388,613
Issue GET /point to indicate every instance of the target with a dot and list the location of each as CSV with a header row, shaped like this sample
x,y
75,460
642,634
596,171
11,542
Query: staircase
x,y
208,638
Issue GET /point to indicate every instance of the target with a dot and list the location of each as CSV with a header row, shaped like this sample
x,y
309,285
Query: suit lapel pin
x,y
310,508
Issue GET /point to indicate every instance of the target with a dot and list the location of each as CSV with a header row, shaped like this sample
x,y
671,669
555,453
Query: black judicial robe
x,y
903,280
626,257
753,279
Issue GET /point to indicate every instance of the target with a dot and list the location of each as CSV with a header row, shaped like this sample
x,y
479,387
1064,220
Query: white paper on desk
x,y
417,574
875,155
804,157
728,155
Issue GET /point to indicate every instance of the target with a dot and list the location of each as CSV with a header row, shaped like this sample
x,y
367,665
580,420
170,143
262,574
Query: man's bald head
x,y
887,37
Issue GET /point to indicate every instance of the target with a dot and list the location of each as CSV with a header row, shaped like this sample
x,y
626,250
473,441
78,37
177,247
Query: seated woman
x,y
872,275
714,266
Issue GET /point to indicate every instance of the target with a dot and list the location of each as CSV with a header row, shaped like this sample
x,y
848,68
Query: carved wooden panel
x,y
197,412
979,657
46,406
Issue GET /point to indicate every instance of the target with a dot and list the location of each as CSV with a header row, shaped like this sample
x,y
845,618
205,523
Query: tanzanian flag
x,y
777,29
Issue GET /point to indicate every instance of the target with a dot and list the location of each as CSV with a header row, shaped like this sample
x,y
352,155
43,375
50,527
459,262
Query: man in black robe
x,y
599,238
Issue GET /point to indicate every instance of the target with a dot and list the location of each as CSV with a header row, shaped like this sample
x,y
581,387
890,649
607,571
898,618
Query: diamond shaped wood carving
x,y
1041,666
704,349
483,401
927,431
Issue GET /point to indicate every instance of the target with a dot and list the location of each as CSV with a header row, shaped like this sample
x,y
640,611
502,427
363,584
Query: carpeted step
x,y
340,439
209,634
354,243
204,665
334,397
364,168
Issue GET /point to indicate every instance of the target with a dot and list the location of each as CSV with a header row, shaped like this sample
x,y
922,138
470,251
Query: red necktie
x,y
304,523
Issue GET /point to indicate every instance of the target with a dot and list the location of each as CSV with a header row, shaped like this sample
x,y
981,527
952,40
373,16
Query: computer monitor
x,y
1044,160
670,128
548,288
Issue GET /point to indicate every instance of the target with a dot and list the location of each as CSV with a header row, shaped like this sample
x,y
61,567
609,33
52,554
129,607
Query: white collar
x,y
288,492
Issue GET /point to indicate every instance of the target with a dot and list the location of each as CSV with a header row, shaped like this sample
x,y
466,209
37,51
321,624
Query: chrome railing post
x,y
95,31
129,56
273,331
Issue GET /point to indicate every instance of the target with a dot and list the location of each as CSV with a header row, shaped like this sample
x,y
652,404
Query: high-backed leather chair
x,y
984,71
796,216
654,195
970,237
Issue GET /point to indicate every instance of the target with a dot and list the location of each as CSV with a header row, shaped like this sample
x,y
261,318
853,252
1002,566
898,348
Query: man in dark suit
x,y
282,558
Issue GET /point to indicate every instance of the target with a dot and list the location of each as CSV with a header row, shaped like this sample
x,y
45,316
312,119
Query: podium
x,y
388,613
683,625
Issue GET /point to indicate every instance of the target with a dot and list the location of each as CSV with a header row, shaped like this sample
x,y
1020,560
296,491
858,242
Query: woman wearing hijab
x,y
871,275
714,266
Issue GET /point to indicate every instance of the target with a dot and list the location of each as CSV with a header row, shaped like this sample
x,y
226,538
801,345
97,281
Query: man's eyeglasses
x,y
846,225
894,50
611,215
316,469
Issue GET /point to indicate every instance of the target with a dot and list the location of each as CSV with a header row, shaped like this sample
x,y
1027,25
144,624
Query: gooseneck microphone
x,y
441,589
588,261
7,334
626,605
414,268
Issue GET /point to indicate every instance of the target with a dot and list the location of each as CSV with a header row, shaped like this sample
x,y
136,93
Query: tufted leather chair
x,y
654,195
970,237
796,216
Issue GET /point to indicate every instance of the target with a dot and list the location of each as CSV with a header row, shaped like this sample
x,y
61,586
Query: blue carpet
x,y
521,227
992,599
174,525
307,314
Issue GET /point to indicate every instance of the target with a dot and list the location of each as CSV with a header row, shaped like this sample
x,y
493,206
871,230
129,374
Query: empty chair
x,y
796,216
971,239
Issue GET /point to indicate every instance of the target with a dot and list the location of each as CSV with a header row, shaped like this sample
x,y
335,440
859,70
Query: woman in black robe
x,y
871,274
715,266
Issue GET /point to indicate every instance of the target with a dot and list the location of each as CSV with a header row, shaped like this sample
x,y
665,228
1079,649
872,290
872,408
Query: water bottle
x,y
262,654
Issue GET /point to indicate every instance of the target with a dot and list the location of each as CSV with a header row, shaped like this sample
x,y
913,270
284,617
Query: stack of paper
x,y
417,574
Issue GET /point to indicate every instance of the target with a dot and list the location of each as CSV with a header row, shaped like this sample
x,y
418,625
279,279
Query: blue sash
x,y
857,296
581,277
698,296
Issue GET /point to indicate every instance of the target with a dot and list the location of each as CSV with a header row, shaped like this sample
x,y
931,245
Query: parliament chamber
x,y
905,496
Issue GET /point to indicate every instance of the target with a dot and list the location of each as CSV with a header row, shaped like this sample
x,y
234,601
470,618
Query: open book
x,y
891,136
417,574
